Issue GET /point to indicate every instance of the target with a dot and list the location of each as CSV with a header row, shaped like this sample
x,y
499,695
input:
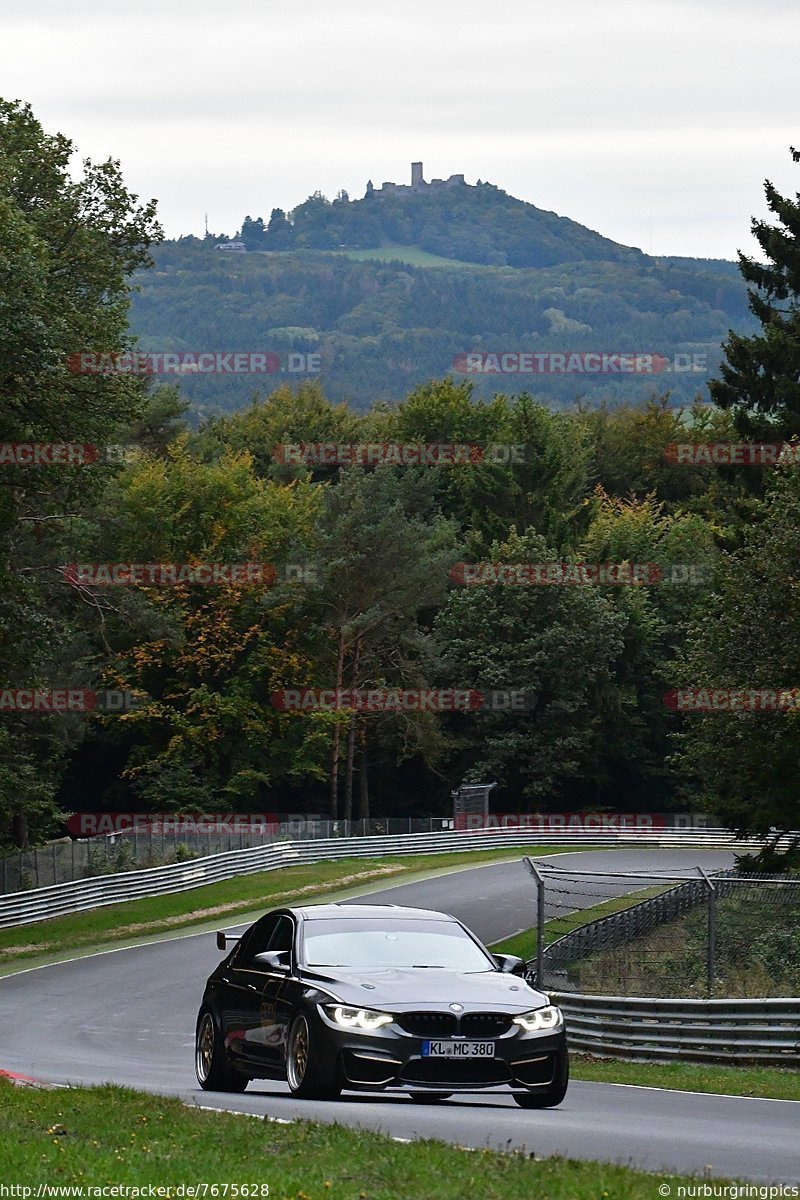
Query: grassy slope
x,y
413,255
91,1137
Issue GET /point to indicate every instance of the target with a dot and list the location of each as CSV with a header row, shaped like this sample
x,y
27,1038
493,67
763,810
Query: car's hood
x,y
419,987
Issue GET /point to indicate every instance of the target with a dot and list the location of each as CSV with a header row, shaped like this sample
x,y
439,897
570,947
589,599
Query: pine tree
x,y
760,381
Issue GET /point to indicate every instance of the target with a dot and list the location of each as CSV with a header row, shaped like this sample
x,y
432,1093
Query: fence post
x,y
539,921
711,950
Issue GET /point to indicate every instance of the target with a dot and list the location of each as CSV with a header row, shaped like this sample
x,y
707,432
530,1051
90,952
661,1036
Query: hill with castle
x,y
389,290
477,223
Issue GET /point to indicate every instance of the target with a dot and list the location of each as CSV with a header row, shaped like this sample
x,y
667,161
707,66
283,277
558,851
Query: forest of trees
x,y
382,328
376,604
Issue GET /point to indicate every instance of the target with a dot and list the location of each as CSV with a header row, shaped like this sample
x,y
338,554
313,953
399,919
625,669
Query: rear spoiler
x,y
224,938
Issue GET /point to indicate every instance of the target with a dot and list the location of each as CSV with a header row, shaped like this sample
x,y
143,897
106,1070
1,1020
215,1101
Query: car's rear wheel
x,y
310,1073
429,1097
548,1097
214,1073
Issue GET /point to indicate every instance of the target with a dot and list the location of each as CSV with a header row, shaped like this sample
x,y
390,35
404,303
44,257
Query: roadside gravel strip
x,y
127,1017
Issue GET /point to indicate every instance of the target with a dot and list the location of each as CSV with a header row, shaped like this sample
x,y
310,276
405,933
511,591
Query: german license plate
x,y
457,1049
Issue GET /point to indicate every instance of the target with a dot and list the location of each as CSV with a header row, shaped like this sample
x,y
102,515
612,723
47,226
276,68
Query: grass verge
x,y
772,1083
95,1136
227,902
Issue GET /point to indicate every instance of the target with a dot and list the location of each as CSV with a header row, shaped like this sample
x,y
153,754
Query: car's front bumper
x,y
382,1060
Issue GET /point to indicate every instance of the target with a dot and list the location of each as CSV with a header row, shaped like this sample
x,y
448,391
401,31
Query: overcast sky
x,y
654,122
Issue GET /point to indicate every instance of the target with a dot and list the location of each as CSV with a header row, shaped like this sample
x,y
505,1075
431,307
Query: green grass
x,y
412,255
225,903
91,1137
775,1083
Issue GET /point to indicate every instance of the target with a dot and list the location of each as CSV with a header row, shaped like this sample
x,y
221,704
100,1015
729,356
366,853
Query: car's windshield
x,y
373,942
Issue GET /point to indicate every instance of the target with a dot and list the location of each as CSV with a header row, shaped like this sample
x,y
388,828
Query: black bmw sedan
x,y
373,997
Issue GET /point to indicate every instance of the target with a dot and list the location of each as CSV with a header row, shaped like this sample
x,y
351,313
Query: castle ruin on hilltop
x,y
417,184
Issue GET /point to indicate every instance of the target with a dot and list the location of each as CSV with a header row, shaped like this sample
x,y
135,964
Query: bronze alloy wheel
x,y
204,1049
297,1056
214,1072
311,1072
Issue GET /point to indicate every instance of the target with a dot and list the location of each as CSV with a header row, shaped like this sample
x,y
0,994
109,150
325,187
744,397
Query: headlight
x,y
356,1018
541,1018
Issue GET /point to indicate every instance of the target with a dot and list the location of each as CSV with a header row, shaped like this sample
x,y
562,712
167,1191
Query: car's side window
x,y
283,935
258,939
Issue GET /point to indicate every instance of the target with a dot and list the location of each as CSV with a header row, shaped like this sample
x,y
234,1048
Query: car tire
x,y
429,1097
550,1096
310,1072
214,1073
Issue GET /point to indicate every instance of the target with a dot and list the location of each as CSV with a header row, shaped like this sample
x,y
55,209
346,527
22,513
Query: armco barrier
x,y
21,908
758,1031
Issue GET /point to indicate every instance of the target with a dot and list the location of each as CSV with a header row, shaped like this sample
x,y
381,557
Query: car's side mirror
x,y
510,964
224,938
273,960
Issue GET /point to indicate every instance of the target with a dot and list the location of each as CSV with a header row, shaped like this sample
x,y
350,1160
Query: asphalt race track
x,y
128,1016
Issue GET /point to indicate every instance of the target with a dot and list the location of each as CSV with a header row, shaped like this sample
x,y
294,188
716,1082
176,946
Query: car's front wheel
x,y
310,1072
214,1074
548,1097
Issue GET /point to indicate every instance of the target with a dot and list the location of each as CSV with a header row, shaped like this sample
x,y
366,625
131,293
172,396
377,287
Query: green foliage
x,y
748,636
384,328
760,379
67,249
555,643
376,607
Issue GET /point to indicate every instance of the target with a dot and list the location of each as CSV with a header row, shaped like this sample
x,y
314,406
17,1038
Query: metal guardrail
x,y
758,1031
21,908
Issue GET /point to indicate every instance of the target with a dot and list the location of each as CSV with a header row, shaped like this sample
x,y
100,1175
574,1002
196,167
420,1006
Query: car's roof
x,y
384,912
